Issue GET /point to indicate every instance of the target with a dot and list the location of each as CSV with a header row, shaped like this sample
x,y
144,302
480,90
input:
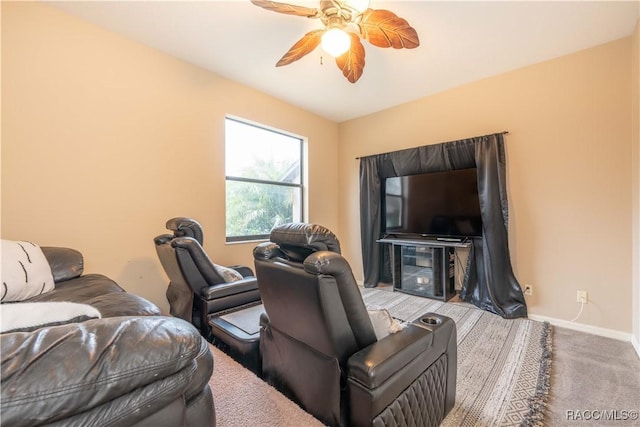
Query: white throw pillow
x,y
28,316
383,323
228,274
25,271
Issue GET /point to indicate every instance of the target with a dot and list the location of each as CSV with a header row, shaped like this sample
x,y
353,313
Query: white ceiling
x,y
460,42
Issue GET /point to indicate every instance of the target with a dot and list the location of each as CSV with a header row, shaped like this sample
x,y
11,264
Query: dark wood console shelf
x,y
424,268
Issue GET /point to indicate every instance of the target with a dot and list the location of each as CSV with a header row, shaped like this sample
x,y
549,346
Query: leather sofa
x,y
319,346
131,367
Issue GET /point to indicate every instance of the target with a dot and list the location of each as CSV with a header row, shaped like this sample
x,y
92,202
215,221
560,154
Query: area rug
x,y
503,365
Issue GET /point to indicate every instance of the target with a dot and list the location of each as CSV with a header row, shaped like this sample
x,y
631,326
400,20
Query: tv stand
x,y
424,268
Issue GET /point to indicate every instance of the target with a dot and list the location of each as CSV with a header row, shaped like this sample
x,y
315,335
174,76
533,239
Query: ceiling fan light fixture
x,y
345,23
335,42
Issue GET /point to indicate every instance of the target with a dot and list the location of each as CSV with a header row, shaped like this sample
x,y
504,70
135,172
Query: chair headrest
x,y
267,250
186,227
298,240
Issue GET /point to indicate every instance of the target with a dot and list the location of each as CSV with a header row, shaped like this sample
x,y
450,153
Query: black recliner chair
x,y
197,286
318,345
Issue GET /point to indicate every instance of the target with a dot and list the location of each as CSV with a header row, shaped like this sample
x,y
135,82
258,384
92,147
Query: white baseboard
x,y
595,330
581,327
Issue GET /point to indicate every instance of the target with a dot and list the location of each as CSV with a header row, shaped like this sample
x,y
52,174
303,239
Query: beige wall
x,y
104,139
568,170
635,159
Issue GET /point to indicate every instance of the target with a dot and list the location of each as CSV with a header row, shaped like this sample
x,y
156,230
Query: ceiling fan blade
x,y
306,44
383,28
352,62
325,4
288,9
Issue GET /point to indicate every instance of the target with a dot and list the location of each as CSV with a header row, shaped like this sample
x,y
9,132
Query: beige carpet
x,y
593,376
243,400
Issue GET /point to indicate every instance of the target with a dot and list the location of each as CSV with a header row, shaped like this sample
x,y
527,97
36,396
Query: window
x,y
263,180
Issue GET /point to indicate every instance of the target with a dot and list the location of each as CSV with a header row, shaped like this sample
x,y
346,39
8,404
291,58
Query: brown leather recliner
x,y
197,288
318,345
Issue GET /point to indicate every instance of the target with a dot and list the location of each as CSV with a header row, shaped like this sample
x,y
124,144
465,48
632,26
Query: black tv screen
x,y
439,204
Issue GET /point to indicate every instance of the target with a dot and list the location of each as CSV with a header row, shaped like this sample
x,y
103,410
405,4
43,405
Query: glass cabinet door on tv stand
x,y
424,268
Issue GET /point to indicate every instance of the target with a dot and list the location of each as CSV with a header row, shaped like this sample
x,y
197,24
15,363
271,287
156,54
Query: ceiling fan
x,y
345,22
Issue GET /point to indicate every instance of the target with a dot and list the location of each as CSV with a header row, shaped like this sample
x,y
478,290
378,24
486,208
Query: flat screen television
x,y
433,205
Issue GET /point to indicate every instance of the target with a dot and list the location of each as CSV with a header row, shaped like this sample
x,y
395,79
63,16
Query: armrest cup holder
x,y
429,321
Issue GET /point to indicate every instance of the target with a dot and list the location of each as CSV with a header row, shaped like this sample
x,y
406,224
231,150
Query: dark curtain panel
x,y
489,282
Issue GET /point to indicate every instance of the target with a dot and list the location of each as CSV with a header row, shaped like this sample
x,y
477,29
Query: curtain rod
x,y
504,132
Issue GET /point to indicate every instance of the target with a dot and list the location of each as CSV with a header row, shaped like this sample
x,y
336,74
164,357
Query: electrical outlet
x,y
528,289
582,297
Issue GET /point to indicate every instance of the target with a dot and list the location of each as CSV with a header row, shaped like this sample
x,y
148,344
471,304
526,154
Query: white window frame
x,y
301,186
